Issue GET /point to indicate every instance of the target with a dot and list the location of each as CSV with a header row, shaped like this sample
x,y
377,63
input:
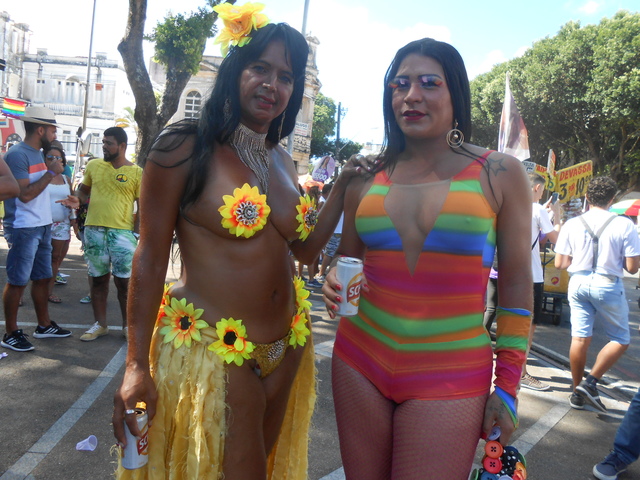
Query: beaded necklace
x,y
250,148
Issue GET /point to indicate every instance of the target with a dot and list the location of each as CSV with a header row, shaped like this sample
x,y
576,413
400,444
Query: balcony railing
x,y
65,108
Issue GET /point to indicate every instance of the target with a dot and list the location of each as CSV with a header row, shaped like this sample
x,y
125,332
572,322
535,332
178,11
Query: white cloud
x,y
492,58
590,7
353,57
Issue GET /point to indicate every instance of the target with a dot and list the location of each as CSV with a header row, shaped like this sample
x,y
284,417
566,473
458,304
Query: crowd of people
x,y
229,384
38,222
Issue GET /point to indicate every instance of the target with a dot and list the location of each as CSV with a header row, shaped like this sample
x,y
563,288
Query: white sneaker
x,y
94,332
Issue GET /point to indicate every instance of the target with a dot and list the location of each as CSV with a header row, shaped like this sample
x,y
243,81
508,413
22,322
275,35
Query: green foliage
x,y
180,40
578,93
324,125
347,149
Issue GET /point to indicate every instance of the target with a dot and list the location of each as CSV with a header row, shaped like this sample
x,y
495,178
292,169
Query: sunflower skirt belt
x,y
181,324
244,213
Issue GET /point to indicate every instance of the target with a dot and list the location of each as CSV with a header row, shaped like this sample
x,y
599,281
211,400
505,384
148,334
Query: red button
x,y
492,465
493,449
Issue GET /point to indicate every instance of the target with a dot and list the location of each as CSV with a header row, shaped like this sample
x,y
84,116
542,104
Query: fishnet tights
x,y
414,440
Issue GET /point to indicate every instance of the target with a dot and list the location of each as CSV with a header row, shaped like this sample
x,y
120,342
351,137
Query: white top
x,y
618,241
59,212
540,223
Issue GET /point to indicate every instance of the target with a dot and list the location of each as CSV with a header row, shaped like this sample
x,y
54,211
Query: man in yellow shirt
x,y
113,183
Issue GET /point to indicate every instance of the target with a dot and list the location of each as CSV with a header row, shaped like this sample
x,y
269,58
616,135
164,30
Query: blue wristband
x,y
509,402
516,311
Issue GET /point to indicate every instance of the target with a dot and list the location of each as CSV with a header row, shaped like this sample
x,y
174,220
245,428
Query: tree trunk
x,y
130,49
175,85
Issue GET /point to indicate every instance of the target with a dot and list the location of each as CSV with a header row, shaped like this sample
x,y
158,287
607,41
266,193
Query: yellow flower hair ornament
x,y
239,22
307,216
245,212
232,344
182,323
299,330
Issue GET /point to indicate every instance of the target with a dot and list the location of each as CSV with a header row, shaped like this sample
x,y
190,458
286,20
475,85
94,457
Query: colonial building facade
x,y
60,83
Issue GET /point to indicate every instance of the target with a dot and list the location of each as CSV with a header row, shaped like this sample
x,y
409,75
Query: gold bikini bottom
x,y
268,356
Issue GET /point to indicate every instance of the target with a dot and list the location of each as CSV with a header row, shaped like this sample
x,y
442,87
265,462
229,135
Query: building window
x,y
192,105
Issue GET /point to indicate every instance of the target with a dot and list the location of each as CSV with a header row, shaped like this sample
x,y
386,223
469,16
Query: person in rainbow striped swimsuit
x,y
412,371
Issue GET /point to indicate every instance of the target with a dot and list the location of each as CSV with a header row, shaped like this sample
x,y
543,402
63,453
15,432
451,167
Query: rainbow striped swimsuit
x,y
420,335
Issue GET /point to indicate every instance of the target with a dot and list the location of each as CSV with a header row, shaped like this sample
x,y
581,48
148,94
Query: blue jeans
x,y
627,443
29,254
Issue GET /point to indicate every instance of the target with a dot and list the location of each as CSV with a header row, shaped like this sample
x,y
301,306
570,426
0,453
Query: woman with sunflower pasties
x,y
225,365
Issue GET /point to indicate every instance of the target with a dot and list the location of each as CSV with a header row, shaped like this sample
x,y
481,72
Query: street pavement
x,y
60,393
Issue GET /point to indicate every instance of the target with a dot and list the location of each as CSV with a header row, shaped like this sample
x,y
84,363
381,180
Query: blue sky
x,y
358,38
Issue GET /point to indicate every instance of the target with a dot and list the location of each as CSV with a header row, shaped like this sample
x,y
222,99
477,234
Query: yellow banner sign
x,y
572,182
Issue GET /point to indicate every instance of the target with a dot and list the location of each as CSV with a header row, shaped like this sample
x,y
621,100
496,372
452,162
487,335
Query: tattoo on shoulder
x,y
495,166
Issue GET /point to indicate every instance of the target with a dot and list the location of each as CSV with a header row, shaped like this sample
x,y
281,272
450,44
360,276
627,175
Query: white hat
x,y
40,115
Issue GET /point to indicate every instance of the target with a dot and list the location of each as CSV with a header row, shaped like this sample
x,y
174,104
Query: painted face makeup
x,y
420,98
425,81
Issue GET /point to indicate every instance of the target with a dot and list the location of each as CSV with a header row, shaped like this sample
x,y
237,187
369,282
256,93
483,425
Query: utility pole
x,y
341,113
86,93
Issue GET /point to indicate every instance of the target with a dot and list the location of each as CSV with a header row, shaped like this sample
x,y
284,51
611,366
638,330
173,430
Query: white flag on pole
x,y
512,138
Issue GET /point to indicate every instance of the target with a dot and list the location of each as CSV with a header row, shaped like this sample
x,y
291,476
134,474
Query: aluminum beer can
x,y
136,453
349,276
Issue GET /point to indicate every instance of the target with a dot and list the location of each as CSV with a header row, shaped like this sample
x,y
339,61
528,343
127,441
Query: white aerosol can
x,y
136,451
349,276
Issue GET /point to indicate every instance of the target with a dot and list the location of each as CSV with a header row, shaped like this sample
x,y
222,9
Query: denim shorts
x,y
29,256
109,250
332,245
594,297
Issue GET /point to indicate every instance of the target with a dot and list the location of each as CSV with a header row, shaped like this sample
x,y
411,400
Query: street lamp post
x,y
304,34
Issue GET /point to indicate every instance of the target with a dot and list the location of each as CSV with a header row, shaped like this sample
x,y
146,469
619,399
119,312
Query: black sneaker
x,y
16,341
52,331
576,401
590,395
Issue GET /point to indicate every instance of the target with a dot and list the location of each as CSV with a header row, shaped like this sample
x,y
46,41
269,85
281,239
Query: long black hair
x,y
221,113
457,82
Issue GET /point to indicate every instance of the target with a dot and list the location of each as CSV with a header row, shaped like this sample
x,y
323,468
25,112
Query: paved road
x,y
61,393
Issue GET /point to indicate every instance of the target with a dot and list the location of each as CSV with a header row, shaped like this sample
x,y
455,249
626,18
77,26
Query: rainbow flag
x,y
13,108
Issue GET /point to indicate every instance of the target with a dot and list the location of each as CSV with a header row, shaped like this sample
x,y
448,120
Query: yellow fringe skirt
x,y
186,441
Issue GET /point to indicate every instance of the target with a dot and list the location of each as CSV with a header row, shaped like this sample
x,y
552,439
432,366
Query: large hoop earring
x,y
455,137
281,124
